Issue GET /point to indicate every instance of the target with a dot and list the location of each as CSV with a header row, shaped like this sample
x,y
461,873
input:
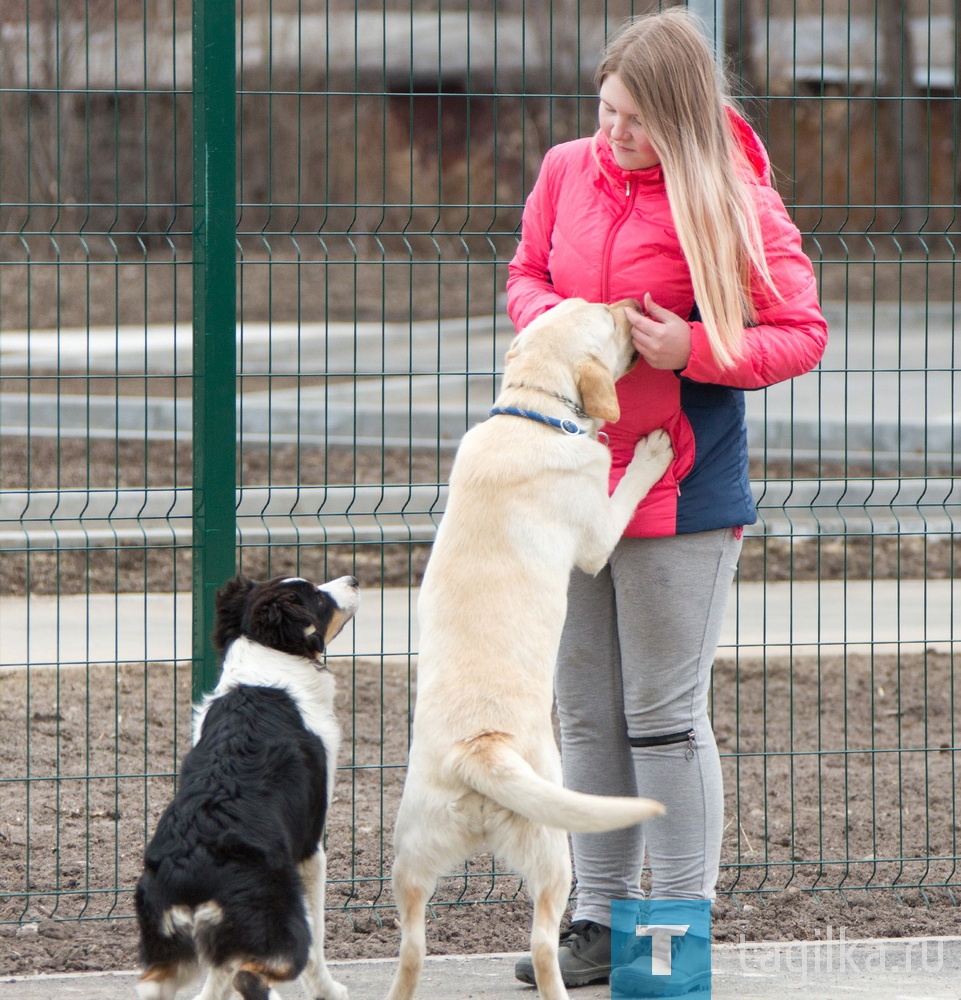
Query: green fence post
x,y
214,321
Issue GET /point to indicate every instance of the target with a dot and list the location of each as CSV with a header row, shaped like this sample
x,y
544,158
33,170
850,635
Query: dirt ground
x,y
838,772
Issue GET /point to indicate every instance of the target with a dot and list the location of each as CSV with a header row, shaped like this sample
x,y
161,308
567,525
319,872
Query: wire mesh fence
x,y
383,154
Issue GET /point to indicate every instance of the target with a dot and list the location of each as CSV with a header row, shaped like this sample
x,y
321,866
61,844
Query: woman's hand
x,y
662,338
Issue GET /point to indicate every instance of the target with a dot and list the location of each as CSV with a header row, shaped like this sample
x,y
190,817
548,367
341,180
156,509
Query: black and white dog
x,y
234,876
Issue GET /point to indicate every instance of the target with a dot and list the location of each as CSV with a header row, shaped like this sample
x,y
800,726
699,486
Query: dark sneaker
x,y
584,955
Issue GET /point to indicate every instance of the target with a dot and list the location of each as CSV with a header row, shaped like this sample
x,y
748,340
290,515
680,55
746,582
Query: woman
x,y
670,203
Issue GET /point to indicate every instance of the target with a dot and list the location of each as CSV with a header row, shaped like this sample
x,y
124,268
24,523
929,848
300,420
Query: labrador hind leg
x,y
543,857
413,887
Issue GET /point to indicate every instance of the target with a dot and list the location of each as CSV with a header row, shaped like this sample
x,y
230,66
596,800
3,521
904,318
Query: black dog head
x,y
288,614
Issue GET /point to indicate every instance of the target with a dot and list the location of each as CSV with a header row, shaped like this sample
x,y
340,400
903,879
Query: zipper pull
x,y
627,188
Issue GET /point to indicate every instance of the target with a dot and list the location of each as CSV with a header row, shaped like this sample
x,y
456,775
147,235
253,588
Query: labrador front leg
x,y
652,456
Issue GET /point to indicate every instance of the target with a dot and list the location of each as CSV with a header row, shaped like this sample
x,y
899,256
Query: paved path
x,y
824,616
875,970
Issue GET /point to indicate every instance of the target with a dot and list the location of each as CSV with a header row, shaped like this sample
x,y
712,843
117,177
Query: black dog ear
x,y
281,621
230,602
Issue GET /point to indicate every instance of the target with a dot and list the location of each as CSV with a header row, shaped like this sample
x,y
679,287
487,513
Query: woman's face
x,y
621,124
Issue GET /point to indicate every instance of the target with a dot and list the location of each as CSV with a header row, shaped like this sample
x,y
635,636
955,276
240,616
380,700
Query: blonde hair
x,y
664,62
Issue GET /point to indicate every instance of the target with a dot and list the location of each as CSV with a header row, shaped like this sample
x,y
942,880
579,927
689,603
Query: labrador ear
x,y
620,317
514,349
598,395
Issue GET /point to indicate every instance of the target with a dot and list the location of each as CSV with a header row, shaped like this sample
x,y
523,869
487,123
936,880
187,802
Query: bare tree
x,y
556,24
740,18
902,128
42,118
957,90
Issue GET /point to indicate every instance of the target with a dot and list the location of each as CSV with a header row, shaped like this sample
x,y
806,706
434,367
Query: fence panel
x,y
95,319
383,155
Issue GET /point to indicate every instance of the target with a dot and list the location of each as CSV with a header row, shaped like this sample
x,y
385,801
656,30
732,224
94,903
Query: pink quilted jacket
x,y
592,230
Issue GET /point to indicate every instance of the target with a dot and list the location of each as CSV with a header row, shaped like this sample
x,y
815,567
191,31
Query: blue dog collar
x,y
567,426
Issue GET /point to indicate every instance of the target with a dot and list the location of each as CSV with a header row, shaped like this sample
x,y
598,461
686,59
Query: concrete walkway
x,y
903,969
823,616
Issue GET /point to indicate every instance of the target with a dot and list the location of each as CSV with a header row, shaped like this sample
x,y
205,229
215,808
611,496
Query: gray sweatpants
x,y
635,661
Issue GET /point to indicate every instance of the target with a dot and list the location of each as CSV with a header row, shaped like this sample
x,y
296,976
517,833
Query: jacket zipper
x,y
630,193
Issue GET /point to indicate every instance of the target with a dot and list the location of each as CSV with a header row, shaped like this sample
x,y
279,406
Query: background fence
x,y
382,154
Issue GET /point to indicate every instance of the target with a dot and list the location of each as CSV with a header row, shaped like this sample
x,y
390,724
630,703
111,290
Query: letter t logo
x,y
661,936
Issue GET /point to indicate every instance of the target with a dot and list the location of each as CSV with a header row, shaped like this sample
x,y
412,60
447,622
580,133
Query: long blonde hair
x,y
664,62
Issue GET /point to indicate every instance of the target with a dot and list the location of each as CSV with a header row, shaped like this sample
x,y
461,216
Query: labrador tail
x,y
491,765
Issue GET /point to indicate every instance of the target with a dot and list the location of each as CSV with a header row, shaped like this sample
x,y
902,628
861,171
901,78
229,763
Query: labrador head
x,y
578,347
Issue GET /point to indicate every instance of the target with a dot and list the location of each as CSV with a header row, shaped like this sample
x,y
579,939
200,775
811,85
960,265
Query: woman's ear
x,y
598,395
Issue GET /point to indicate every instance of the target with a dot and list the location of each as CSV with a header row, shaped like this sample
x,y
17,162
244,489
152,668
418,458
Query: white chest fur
x,y
312,689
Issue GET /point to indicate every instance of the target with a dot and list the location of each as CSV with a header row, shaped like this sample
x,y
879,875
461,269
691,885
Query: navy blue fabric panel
x,y
716,493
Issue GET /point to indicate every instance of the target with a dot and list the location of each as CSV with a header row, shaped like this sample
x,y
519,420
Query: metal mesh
x,y
383,154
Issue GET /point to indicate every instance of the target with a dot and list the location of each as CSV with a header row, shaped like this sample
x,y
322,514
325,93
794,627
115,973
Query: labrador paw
x,y
655,449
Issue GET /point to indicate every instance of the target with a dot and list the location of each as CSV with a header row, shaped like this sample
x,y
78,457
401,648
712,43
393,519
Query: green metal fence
x,y
341,186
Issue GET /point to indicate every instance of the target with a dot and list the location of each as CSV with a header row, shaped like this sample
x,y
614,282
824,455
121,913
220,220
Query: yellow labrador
x,y
528,501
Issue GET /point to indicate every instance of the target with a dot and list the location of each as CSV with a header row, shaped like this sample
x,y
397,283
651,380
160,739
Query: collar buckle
x,y
567,426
